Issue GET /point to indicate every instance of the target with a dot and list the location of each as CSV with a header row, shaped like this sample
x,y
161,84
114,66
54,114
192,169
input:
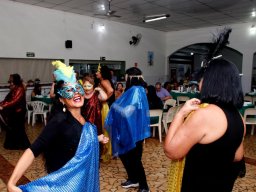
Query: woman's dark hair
x,y
119,84
16,79
154,101
166,84
222,83
57,105
57,88
137,81
37,89
37,81
105,72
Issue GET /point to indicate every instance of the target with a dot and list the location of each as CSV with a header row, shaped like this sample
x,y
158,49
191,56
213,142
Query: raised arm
x,y
52,94
107,87
102,95
23,164
182,135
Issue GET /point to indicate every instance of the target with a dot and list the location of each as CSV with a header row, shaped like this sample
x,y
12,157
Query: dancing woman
x,y
68,142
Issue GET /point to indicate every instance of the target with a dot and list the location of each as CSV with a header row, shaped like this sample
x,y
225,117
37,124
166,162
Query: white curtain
x,y
27,69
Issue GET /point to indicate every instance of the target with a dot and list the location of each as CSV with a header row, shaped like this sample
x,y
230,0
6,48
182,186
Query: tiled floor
x,y
113,173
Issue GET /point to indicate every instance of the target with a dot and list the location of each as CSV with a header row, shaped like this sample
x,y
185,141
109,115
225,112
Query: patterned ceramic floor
x,y
113,173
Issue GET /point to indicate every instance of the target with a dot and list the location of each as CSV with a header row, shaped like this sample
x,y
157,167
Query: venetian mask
x,y
88,87
68,91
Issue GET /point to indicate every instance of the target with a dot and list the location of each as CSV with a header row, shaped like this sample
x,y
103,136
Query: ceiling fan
x,y
109,12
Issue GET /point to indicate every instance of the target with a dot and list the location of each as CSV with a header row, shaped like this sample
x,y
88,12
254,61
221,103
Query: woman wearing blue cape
x,y
69,144
128,125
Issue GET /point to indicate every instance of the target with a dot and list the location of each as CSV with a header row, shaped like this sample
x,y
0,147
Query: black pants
x,y
16,137
133,165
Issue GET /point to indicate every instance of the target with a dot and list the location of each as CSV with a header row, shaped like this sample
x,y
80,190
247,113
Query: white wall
x,y
240,39
27,28
44,31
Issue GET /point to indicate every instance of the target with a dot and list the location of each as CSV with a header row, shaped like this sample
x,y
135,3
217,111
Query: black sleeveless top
x,y
210,167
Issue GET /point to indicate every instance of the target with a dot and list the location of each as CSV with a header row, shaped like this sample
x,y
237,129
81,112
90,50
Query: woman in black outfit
x,y
60,141
13,112
129,122
211,137
154,102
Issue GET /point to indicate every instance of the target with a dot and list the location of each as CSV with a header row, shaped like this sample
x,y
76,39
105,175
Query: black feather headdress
x,y
219,42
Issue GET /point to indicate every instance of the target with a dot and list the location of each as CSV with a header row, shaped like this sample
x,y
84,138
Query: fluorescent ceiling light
x,y
102,7
155,18
253,14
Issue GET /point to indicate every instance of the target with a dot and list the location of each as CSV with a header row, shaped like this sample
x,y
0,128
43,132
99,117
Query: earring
x,y
64,108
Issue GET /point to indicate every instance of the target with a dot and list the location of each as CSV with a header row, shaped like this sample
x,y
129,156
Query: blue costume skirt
x,y
80,174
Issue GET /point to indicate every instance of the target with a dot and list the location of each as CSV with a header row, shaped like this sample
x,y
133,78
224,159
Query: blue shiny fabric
x,y
80,174
128,120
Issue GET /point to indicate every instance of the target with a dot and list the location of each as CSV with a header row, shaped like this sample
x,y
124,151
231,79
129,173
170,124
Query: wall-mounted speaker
x,y
68,43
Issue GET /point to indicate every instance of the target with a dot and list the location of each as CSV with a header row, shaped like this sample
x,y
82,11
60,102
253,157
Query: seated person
x,y
168,86
30,82
37,90
113,77
154,102
119,90
162,93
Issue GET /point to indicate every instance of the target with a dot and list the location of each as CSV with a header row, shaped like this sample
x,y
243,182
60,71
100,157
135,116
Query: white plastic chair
x,y
250,118
169,117
253,100
29,108
157,113
182,99
248,98
170,102
39,109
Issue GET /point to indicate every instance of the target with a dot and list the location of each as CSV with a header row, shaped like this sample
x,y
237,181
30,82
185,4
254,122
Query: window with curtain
x,y
27,69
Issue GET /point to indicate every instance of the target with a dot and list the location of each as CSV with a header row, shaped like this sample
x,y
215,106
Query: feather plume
x,y
218,43
64,72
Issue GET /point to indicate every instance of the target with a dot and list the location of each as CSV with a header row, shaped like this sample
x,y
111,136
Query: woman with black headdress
x,y
209,132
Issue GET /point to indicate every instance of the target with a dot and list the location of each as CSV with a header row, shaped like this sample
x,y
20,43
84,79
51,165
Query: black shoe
x,y
129,184
242,173
143,190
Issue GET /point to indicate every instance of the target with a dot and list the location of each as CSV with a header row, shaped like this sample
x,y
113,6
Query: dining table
x,y
44,98
246,105
190,94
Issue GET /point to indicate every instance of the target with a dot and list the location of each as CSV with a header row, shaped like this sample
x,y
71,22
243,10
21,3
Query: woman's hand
x,y
190,105
103,139
102,95
13,188
1,108
98,89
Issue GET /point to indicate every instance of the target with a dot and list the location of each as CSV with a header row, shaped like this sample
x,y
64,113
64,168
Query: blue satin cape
x,y
80,174
128,120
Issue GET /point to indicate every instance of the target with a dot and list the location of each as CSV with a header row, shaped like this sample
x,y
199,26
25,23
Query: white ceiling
x,y
185,14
